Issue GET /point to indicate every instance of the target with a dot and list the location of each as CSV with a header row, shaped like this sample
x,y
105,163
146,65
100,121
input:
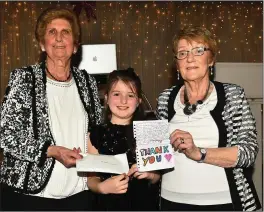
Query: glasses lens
x,y
181,54
198,51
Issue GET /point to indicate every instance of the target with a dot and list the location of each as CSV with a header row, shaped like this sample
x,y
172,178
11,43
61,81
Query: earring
x,y
178,75
42,49
211,69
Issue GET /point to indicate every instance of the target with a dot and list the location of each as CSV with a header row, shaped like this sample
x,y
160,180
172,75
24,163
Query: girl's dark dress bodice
x,y
112,139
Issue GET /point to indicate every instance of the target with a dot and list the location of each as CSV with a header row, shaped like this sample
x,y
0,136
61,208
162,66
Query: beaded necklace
x,y
56,78
189,108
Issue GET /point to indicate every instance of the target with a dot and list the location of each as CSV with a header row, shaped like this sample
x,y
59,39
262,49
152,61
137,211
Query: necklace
x,y
189,109
57,79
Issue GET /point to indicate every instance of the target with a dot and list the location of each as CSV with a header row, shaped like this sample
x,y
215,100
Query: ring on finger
x,y
182,140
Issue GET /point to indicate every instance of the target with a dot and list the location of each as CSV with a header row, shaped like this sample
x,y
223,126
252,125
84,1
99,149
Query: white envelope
x,y
116,164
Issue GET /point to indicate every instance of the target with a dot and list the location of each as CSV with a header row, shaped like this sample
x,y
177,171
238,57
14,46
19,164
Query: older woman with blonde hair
x,y
47,111
212,131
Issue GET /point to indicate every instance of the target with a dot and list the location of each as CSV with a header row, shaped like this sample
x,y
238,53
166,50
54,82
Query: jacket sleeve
x,y
16,138
97,106
247,134
162,105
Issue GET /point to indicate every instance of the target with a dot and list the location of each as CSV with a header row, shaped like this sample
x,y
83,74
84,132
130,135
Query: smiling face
x,y
58,40
193,68
122,101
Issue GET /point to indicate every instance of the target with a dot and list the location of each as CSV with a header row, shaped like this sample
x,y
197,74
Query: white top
x,y
192,182
68,124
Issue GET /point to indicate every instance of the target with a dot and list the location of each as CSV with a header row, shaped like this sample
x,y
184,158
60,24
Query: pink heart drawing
x,y
168,157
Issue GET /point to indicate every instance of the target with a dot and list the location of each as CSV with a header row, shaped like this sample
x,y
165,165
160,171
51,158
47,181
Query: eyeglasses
x,y
197,51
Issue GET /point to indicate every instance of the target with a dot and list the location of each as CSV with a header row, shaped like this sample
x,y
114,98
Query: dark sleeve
x,y
94,136
95,113
16,139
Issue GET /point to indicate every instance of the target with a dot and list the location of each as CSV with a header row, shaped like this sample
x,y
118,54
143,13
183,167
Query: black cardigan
x,y
229,116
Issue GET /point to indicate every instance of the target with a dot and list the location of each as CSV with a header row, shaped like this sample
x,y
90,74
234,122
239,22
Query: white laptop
x,y
98,58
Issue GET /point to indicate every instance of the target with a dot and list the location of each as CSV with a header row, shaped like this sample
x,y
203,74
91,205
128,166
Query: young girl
x,y
133,190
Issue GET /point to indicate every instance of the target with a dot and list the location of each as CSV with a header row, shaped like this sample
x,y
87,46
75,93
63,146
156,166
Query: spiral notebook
x,y
153,148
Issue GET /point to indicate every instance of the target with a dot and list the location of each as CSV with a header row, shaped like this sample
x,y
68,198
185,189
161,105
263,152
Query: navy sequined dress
x,y
112,139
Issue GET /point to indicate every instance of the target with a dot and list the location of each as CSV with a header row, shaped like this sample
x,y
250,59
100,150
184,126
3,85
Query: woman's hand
x,y
77,150
64,155
183,142
152,176
114,185
225,157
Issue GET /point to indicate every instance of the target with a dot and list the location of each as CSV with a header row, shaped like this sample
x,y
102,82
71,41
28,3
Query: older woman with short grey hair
x,y
212,131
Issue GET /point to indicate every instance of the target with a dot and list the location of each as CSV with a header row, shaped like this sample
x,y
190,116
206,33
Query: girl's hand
x,y
114,185
182,141
133,172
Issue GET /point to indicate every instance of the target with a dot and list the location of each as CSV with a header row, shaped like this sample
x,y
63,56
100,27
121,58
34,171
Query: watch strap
x,y
203,153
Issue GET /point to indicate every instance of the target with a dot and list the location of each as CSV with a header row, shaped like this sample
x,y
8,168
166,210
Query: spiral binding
x,y
137,152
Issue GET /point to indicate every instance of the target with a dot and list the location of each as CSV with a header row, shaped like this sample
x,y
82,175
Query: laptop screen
x,y
98,58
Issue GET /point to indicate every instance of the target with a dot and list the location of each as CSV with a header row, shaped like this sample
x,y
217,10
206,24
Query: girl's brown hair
x,y
130,78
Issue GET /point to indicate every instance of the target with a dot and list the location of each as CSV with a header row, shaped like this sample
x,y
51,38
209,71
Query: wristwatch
x,y
203,153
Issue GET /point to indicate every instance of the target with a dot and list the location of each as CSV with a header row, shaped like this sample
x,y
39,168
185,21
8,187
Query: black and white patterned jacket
x,y
25,134
237,127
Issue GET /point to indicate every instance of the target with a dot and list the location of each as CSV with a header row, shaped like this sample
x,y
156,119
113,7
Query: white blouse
x,y
68,124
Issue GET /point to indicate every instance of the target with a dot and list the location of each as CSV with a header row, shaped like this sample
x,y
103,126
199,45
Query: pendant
x,y
189,109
